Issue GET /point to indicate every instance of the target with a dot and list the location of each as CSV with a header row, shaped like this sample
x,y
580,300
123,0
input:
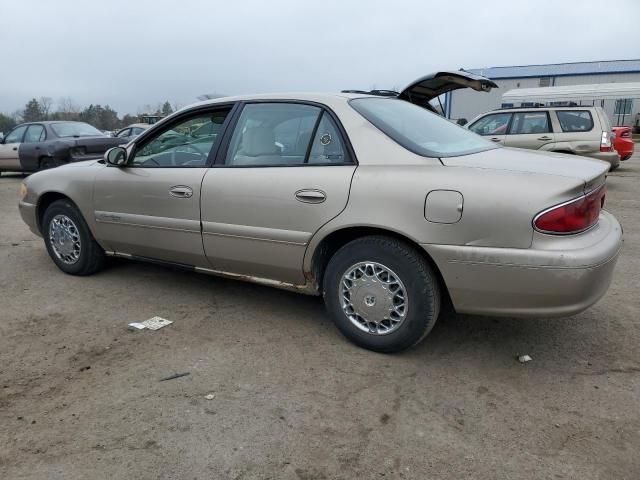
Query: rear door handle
x,y
545,138
15,148
181,191
310,196
495,139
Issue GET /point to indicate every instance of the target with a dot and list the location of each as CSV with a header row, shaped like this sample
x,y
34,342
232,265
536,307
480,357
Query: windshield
x,y
75,129
418,129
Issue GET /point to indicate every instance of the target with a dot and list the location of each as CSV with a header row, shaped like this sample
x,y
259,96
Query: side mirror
x,y
116,156
462,122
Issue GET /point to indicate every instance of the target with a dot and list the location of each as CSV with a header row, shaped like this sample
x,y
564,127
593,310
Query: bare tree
x,y
45,106
17,116
68,108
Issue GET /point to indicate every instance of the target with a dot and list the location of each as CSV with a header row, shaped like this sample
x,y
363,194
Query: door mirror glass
x,y
116,156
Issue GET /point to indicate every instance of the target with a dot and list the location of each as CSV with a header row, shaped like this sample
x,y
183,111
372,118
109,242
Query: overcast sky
x,y
130,53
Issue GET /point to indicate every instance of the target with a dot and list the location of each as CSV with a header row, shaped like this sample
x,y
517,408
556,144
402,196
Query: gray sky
x,y
129,53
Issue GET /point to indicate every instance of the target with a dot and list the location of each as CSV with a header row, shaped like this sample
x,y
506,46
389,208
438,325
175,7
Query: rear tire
x,y
69,241
46,163
381,293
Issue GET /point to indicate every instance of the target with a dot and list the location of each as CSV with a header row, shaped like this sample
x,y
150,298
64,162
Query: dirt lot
x,y
80,395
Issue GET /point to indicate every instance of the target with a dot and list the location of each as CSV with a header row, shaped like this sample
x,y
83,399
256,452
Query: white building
x,y
466,103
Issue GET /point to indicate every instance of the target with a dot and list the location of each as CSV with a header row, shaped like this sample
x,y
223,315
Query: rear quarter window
x,y
575,120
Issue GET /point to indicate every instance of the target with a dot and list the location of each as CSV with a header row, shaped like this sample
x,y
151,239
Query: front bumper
x,y
29,216
557,276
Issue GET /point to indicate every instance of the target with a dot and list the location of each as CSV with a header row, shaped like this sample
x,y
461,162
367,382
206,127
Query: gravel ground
x,y
80,395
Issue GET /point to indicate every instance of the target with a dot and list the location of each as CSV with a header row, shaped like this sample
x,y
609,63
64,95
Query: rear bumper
x,y
610,157
624,147
557,276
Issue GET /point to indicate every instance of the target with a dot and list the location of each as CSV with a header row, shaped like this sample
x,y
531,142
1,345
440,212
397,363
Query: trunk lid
x,y
590,171
426,88
97,145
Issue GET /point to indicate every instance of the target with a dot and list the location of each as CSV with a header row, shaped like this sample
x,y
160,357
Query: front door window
x,y
187,143
15,136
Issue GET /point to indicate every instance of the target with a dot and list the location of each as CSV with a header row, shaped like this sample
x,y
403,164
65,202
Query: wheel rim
x,y
64,238
373,298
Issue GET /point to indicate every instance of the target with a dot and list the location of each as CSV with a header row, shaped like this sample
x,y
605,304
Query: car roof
x,y
529,109
300,96
49,122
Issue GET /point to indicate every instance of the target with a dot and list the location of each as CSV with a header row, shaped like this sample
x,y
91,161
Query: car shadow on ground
x,y
461,338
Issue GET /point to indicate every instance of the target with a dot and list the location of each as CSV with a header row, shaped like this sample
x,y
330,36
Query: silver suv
x,y
575,130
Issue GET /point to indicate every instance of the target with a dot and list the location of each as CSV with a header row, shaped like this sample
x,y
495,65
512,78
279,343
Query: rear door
x,y
286,170
530,130
9,159
493,126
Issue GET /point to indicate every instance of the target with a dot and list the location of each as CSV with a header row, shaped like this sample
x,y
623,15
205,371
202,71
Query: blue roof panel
x,y
559,69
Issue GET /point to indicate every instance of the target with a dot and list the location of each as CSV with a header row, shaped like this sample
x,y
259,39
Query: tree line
x,y
101,117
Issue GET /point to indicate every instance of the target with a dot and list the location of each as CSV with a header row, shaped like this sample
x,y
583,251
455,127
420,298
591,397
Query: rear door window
x,y
35,133
494,124
530,123
327,146
575,120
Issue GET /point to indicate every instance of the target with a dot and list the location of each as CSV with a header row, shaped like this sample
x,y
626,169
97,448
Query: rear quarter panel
x,y
498,206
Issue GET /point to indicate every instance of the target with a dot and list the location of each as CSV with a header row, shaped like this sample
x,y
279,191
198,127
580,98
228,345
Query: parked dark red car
x,y
623,142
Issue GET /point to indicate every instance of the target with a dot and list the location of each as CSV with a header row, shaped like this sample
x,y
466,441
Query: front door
x,y
530,130
151,207
493,126
9,160
286,172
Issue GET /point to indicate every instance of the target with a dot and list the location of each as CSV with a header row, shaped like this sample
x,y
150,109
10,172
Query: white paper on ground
x,y
155,323
137,326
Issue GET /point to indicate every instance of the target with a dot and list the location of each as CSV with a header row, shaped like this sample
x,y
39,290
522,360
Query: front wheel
x,y
381,293
69,241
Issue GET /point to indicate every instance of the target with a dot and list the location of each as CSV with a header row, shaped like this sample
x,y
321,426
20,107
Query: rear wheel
x,y
47,163
69,241
381,293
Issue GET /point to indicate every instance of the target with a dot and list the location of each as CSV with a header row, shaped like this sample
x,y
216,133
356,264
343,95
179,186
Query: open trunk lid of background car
x,y
426,88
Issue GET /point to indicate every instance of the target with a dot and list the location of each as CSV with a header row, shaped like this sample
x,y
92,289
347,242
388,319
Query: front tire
x,y
381,293
69,241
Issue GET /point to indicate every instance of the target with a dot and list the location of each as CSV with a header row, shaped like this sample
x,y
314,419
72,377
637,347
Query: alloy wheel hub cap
x,y
373,298
64,238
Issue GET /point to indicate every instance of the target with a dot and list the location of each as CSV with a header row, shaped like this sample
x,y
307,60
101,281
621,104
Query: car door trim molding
x,y
148,221
262,234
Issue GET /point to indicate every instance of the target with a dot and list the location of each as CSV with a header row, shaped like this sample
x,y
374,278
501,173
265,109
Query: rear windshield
x,y
75,129
418,129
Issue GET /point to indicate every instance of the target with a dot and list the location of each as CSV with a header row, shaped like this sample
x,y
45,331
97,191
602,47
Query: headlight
x,y
23,191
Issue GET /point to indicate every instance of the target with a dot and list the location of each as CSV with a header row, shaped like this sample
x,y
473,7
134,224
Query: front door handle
x,y
15,148
544,139
181,191
495,139
310,196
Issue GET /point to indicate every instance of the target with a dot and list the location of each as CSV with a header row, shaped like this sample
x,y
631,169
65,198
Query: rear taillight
x,y
573,216
605,142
